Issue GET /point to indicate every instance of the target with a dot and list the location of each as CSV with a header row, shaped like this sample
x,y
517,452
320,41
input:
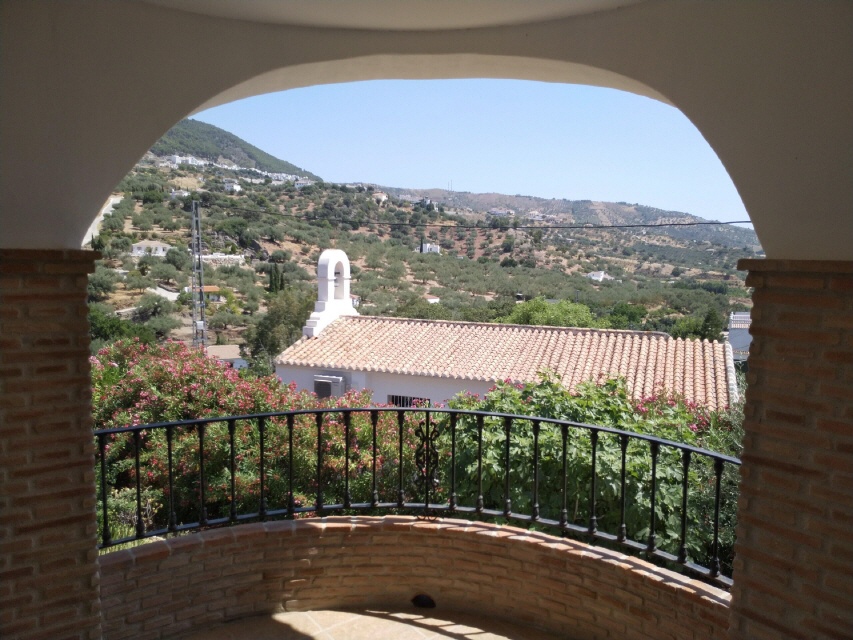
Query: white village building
x,y
405,360
739,337
150,247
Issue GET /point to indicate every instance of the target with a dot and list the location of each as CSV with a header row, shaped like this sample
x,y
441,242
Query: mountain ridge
x,y
592,212
212,143
208,142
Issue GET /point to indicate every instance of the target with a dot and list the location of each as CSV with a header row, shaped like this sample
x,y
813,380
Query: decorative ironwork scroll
x,y
426,460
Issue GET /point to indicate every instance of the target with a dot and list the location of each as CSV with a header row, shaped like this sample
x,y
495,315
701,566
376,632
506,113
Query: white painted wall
x,y
438,390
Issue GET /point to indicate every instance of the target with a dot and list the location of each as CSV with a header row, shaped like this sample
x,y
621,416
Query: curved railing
x,y
646,495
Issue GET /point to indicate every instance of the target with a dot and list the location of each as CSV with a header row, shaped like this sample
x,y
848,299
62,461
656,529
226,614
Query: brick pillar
x,y
793,573
48,557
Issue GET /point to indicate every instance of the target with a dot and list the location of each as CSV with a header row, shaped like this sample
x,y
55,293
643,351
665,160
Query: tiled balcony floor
x,y
370,625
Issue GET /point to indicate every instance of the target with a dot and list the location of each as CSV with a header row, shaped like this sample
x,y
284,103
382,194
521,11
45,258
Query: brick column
x,y
48,558
793,573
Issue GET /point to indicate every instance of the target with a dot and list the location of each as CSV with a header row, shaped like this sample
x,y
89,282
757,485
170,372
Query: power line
x,y
308,218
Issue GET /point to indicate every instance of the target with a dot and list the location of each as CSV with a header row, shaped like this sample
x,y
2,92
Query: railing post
x,y
374,421
291,501
564,512
652,543
102,448
715,557
202,519
507,498
623,533
262,506
535,515
400,495
685,470
480,501
233,467
173,518
140,525
319,502
593,521
427,460
347,422
453,496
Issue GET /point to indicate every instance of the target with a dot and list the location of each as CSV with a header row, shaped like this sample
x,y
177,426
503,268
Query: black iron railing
x,y
648,496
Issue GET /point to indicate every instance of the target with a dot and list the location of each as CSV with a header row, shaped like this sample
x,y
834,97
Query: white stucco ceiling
x,y
394,15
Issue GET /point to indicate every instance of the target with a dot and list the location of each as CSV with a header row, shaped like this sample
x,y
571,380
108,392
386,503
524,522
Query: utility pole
x,y
197,289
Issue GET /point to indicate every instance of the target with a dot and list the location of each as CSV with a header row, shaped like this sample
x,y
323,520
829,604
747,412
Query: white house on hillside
x,y
599,276
405,360
426,247
150,247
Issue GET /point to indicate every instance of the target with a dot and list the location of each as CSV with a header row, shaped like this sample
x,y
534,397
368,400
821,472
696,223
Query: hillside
x,y
589,212
680,280
205,141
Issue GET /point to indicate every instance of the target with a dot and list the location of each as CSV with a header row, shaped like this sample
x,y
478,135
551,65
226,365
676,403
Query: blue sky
x,y
506,136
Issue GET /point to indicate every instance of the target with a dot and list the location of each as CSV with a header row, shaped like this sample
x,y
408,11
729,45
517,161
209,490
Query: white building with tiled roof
x,y
404,358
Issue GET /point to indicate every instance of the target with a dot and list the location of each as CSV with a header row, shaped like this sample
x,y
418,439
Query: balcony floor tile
x,y
369,624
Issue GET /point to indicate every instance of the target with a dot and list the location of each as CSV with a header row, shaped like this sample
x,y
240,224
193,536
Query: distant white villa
x,y
599,276
150,247
428,248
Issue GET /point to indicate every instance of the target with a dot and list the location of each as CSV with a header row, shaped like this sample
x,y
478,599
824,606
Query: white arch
x,y
769,87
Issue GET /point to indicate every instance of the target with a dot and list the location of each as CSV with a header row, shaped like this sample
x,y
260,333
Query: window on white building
x,y
408,401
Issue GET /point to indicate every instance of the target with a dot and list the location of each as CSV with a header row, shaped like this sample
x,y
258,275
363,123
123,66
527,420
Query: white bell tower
x,y
333,297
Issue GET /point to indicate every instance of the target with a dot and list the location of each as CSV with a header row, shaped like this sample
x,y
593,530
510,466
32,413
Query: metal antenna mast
x,y
199,326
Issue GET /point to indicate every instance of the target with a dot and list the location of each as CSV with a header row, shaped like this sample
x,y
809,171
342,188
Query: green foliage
x,y
101,283
134,281
179,258
105,327
165,272
279,327
223,318
151,305
192,137
661,415
556,314
420,308
707,327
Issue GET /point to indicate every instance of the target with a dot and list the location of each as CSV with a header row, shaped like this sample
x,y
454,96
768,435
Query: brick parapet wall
x,y
794,557
48,558
170,586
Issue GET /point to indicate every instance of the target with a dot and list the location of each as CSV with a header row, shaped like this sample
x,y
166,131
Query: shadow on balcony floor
x,y
369,624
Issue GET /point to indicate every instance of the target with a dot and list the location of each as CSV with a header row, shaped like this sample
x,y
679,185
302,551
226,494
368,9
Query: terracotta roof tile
x,y
488,352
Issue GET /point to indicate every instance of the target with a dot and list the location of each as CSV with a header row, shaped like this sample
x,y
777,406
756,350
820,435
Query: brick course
x,y
48,561
796,501
567,587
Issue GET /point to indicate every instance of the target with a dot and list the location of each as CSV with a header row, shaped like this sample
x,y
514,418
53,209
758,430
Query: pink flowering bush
x,y
135,384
